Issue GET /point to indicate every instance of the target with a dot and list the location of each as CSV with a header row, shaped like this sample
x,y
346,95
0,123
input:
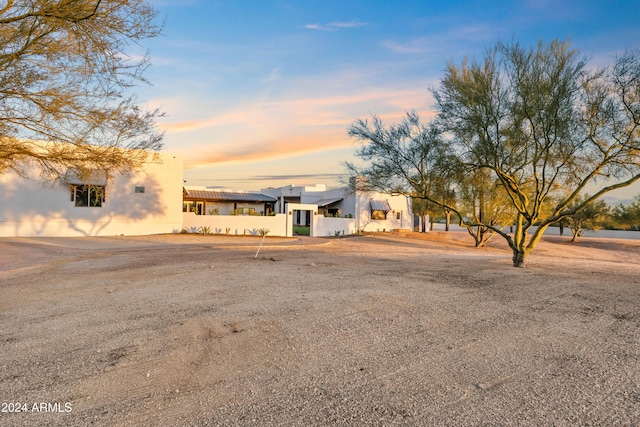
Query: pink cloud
x,y
259,129
286,146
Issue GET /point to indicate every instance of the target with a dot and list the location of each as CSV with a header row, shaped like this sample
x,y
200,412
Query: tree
x,y
443,187
627,217
64,74
482,200
589,218
546,128
408,158
412,158
424,208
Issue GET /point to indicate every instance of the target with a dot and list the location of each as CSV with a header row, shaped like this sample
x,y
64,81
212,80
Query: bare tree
x,y
64,73
546,128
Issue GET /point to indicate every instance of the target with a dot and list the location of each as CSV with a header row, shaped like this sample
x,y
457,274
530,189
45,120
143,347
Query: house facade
x,y
205,201
153,200
144,202
366,210
316,209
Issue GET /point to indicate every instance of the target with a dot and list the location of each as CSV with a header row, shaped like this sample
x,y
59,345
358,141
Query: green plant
x,y
204,230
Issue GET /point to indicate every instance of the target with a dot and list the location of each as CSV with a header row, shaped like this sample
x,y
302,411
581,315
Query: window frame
x,y
88,195
375,215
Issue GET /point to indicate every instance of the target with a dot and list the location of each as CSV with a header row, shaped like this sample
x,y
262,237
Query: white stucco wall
x,y
323,226
27,208
236,224
360,204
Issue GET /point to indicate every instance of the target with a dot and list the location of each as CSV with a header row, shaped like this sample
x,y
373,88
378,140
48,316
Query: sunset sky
x,y
260,93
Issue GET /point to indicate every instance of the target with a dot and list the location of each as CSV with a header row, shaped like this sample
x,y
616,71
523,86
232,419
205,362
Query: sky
x,y
260,93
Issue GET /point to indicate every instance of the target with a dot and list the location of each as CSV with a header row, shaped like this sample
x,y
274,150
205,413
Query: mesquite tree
x,y
546,127
65,70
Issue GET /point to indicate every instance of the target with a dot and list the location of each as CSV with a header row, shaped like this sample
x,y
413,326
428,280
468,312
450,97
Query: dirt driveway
x,y
366,331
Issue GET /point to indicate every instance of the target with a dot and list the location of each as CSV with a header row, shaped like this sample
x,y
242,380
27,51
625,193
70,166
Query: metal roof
x,y
380,205
228,196
326,202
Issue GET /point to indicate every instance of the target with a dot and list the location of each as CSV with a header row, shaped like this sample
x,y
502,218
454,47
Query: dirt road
x,y
366,331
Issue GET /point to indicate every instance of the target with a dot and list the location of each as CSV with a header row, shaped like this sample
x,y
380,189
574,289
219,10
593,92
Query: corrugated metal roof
x,y
229,196
325,202
380,205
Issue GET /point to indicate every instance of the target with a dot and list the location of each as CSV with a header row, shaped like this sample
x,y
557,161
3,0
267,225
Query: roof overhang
x,y
326,202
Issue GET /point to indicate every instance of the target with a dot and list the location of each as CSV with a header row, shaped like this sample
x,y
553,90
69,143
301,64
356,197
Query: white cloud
x,y
334,26
419,45
273,76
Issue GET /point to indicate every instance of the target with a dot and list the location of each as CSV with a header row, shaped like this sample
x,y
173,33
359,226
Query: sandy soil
x,y
375,330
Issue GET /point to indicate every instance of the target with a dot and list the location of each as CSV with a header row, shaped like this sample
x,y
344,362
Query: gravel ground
x,y
367,331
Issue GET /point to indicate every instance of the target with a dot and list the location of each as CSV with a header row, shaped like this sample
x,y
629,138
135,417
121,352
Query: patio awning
x,y
380,205
326,202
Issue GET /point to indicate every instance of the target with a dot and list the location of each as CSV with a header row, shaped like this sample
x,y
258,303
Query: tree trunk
x,y
518,259
575,235
483,236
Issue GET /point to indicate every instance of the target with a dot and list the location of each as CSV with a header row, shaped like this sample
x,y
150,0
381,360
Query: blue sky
x,y
261,93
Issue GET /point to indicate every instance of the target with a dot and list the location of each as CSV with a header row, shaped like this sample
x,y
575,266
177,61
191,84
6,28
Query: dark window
x,y
139,190
88,195
195,207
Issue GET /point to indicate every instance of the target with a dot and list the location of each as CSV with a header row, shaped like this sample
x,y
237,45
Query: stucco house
x,y
153,200
143,202
339,211
207,201
367,210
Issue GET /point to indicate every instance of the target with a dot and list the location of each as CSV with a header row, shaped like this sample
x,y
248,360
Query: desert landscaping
x,y
387,329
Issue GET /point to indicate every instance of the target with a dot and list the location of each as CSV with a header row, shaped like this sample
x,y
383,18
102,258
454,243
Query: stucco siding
x,y
235,224
29,208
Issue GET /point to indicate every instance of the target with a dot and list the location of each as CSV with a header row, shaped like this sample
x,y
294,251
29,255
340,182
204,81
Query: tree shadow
x,y
31,208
